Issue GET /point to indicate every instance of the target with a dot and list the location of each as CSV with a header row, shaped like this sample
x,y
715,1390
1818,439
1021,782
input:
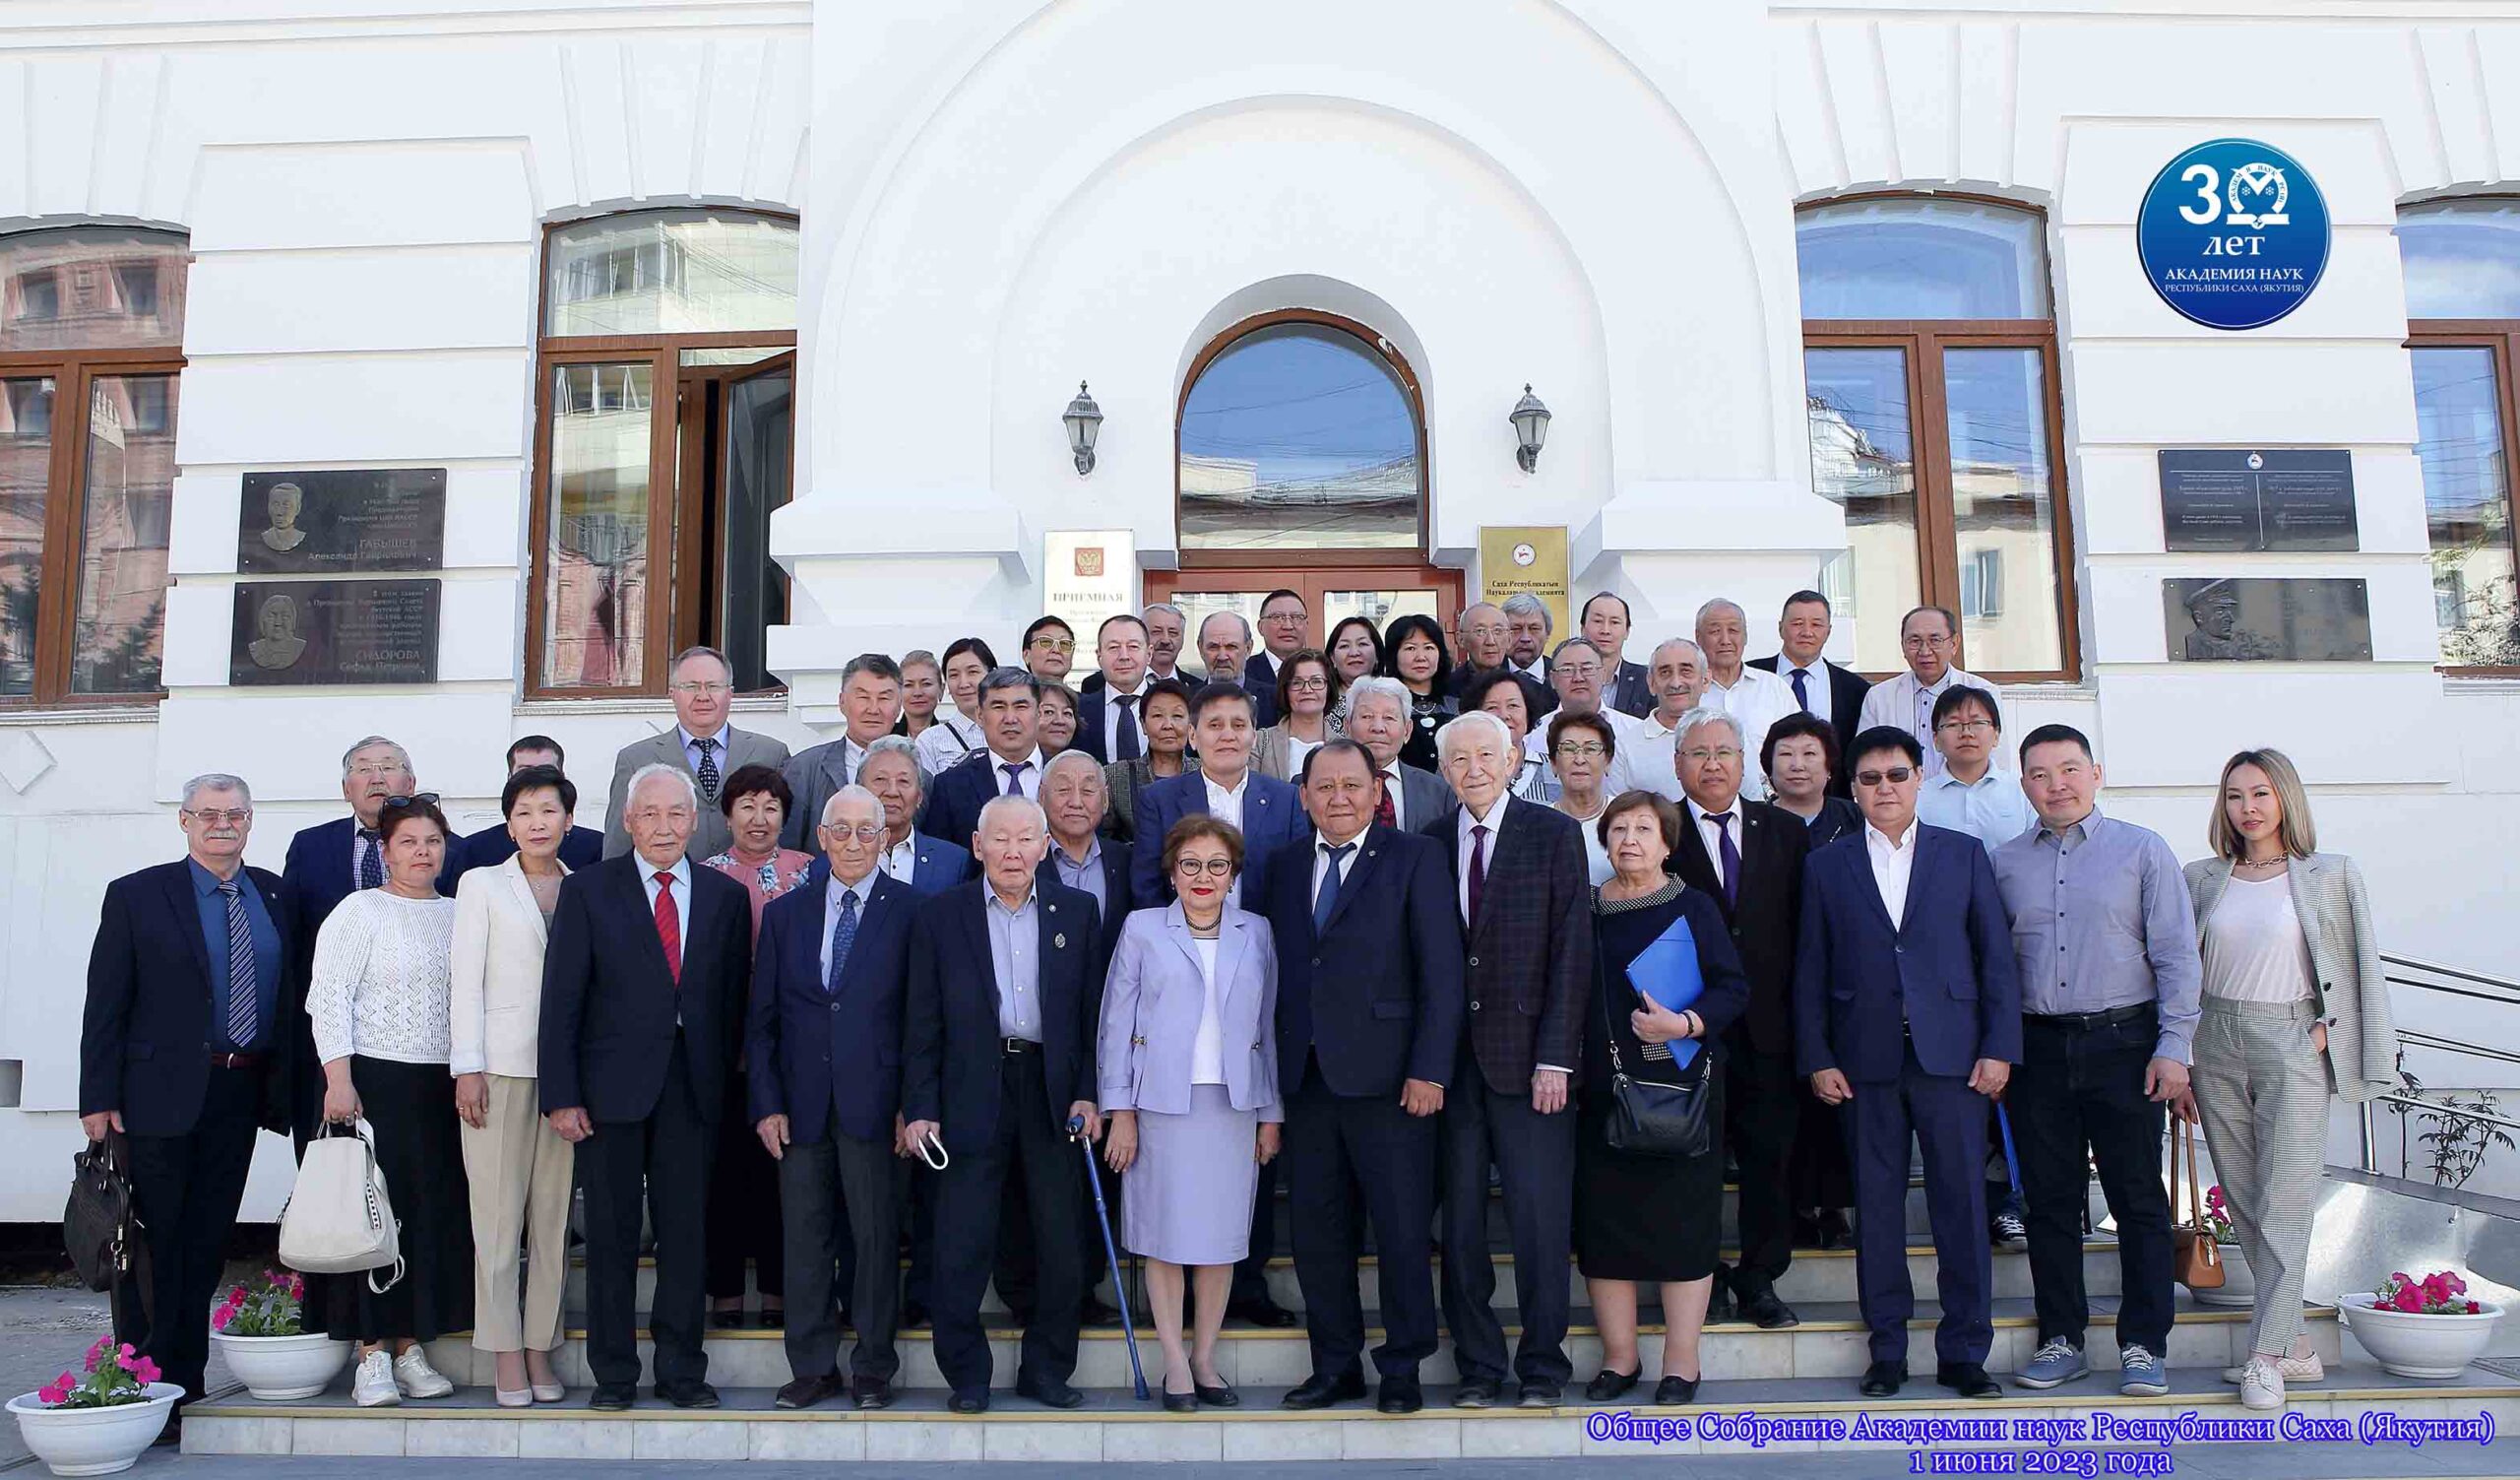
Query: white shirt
x,y
1298,747
1758,699
382,982
953,737
1028,781
2254,948
1892,864
1206,1044
1908,704
1712,836
898,861
1463,821
1992,808
1227,805
1537,670
1111,711
833,893
1815,682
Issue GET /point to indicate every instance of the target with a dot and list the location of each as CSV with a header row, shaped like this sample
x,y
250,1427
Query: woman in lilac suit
x,y
1189,1084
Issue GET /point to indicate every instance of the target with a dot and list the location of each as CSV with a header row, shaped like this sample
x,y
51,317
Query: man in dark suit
x,y
1801,632
824,1046
1747,857
643,1010
1625,686
493,845
326,865
997,1058
870,705
1110,721
1370,1023
1269,811
1283,618
1526,908
1010,715
1907,1008
176,1053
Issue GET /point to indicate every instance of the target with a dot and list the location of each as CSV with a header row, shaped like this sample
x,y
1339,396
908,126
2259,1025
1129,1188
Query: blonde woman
x,y
2296,1008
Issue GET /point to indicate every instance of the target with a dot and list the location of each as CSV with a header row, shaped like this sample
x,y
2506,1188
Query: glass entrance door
x,y
1330,594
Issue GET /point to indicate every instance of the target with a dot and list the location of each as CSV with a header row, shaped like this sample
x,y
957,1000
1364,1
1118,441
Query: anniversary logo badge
x,y
2234,234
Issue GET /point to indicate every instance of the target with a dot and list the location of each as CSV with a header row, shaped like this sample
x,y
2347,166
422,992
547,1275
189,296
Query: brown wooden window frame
x,y
2501,339
666,586
1922,343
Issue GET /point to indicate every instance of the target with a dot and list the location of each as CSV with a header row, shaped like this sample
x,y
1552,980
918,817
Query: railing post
x,y
2370,1146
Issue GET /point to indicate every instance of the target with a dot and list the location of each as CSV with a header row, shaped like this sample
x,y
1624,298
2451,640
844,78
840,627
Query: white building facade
x,y
1844,295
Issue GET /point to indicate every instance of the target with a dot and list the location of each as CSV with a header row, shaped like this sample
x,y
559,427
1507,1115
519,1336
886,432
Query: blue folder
x,y
1666,971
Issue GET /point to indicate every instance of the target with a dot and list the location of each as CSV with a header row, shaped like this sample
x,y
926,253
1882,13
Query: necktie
x,y
668,925
1731,859
371,858
1127,748
1015,770
1326,898
844,935
1801,695
1477,868
244,1005
707,775
1384,812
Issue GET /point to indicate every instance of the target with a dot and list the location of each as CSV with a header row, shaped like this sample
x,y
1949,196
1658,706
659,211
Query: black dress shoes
x,y
1319,1391
1049,1391
1401,1394
1540,1396
613,1397
1261,1311
1219,1396
808,1392
1969,1379
774,1319
690,1393
1671,1392
1768,1312
1478,1392
1181,1402
870,1392
1719,1305
969,1400
726,1321
1835,1233
1610,1386
1096,1314
1883,1380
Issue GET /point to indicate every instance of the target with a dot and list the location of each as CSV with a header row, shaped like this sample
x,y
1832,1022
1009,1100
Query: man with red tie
x,y
643,1010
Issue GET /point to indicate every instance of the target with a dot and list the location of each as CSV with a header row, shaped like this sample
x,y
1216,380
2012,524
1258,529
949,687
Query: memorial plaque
x,y
342,521
306,633
2241,619
2237,500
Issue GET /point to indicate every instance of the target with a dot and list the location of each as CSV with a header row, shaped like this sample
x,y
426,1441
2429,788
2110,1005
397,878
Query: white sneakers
x,y
2290,1368
417,1379
372,1387
2261,1385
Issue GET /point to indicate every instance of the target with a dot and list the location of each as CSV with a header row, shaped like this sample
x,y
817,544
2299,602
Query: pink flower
x,y
57,1391
2452,1283
146,1369
103,1345
2408,1299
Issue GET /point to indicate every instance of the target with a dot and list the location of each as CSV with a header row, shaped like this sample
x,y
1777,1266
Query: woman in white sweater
x,y
379,999
518,1167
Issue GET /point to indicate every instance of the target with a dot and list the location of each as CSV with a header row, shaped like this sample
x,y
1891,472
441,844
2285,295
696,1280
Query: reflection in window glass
x,y
2462,259
25,465
127,505
672,272
2467,504
1862,459
594,610
92,288
1299,436
2003,510
1921,259
759,438
1381,608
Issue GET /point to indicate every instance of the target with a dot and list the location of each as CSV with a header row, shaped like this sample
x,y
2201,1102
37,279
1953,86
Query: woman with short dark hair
x,y
1413,652
1800,758
1582,748
1356,652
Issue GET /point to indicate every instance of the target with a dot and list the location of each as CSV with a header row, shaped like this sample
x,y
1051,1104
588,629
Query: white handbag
x,y
338,1219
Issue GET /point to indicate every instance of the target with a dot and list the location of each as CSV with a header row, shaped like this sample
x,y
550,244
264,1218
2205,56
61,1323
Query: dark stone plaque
x,y
333,632
2301,498
2240,620
340,521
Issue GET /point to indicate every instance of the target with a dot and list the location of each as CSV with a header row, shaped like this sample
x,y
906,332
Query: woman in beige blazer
x,y
1307,693
2296,1008
518,1165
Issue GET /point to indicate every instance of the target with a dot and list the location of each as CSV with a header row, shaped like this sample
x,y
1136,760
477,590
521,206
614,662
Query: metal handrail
x,y
2439,970
2408,1038
2370,1136
2506,992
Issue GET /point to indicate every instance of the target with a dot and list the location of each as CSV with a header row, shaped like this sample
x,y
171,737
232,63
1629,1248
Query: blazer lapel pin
x,y
1058,942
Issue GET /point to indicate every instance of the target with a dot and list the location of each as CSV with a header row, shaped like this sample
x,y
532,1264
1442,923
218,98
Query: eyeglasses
x,y
1579,669
1306,684
1056,644
863,832
1583,751
1286,617
1966,727
421,799
1895,776
1927,640
219,817
695,690
1701,754
1211,868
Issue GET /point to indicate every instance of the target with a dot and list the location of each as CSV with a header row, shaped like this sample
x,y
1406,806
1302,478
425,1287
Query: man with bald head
x,y
1485,640
1753,696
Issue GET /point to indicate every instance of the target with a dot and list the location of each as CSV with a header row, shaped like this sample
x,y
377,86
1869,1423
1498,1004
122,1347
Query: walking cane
x,y
1111,1251
2012,1163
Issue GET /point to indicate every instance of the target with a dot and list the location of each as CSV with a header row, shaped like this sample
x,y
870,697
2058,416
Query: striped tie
x,y
244,1005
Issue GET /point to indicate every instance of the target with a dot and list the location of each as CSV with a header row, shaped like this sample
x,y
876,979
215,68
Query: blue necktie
x,y
1326,898
844,935
1731,859
244,1005
1127,747
371,858
1801,695
1015,776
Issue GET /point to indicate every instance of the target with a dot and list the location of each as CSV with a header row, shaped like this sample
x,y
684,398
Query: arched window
x,y
665,438
1929,366
2463,329
92,331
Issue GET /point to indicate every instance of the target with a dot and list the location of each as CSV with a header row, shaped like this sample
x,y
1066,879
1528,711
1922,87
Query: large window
x,y
92,329
1929,367
667,438
2463,320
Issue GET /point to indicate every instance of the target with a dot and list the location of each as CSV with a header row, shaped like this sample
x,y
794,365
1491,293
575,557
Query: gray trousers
x,y
813,1182
2262,1090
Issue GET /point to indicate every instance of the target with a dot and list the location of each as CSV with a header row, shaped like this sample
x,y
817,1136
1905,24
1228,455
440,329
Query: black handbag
x,y
1648,1117
97,1223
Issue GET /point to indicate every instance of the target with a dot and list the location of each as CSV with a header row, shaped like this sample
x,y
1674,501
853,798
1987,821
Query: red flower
x,y
2408,1299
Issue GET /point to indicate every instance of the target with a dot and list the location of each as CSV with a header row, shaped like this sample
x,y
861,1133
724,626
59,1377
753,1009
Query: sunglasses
x,y
1896,776
419,798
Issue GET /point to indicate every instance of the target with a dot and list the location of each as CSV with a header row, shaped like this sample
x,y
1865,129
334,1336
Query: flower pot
x,y
94,1440
2239,1287
2420,1346
284,1367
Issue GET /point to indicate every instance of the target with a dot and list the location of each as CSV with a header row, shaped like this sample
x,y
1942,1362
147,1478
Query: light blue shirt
x,y
832,896
1015,958
1992,809
691,747
1087,876
2100,919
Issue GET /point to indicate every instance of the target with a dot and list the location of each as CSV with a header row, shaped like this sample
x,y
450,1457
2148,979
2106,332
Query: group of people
x,y
1402,932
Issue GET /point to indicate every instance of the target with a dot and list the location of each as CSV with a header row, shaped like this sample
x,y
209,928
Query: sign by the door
x,y
1515,559
1087,575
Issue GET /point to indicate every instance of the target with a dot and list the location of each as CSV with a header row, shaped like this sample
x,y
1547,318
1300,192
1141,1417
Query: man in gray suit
x,y
701,742
1378,720
870,705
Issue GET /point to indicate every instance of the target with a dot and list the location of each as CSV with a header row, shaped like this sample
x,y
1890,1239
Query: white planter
x,y
2239,1287
284,1367
94,1440
2420,1346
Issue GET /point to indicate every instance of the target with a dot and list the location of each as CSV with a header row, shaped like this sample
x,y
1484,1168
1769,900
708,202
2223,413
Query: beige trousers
x,y
519,1168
